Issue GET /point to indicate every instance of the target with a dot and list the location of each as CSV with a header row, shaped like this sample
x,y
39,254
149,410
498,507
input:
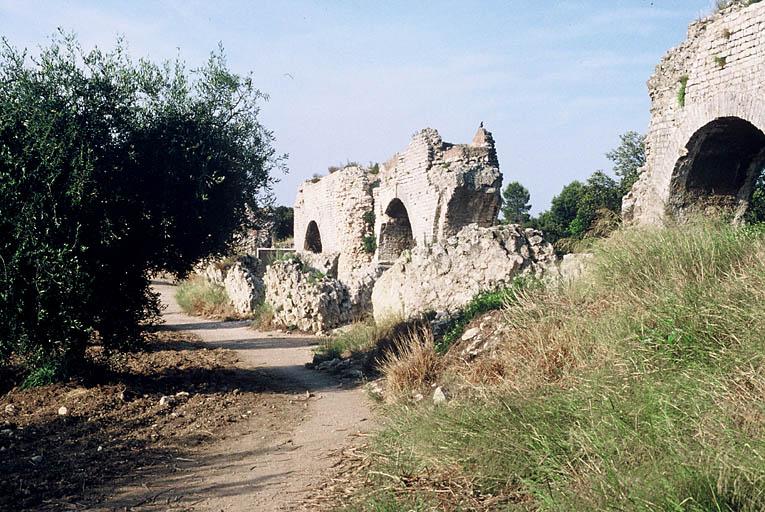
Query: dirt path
x,y
259,470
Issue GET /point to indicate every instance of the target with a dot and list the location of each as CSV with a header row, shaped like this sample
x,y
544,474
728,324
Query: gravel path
x,y
264,471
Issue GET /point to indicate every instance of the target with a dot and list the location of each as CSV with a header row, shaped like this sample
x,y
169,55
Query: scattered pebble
x,y
439,395
166,401
63,411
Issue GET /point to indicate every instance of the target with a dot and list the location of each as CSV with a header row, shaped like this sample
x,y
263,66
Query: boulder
x,y
243,287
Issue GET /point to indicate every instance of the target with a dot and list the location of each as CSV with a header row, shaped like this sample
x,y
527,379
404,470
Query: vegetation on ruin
x,y
111,170
681,91
640,387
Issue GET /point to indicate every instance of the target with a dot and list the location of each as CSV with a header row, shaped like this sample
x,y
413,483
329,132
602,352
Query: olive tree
x,y
112,170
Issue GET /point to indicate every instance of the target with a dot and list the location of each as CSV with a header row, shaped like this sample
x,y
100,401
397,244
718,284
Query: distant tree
x,y
284,219
110,171
600,192
564,207
628,159
515,203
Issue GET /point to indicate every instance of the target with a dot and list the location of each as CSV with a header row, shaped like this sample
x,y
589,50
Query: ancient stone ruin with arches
x,y
705,146
418,234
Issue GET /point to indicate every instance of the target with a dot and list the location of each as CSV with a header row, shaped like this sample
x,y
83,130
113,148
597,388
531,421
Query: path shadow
x,y
203,326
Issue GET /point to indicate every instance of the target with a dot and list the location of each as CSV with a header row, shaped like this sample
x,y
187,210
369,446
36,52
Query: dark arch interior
x,y
724,158
312,238
395,233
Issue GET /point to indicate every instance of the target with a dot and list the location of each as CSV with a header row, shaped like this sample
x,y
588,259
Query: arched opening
x,y
717,174
312,238
395,232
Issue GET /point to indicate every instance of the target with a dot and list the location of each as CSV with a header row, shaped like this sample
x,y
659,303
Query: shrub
x,y
369,242
197,296
111,170
412,365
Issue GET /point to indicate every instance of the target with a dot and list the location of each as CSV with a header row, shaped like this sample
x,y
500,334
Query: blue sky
x,y
555,81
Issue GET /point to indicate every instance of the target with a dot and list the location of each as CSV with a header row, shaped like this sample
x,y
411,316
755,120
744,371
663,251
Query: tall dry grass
x,y
639,388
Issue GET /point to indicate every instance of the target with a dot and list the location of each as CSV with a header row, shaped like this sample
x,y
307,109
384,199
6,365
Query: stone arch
x,y
395,232
312,238
722,160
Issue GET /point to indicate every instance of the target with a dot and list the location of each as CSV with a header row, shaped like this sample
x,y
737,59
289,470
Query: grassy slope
x,y
641,388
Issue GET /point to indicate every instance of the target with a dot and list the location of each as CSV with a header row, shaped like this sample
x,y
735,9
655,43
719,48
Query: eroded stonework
x,y
705,145
364,218
433,189
445,276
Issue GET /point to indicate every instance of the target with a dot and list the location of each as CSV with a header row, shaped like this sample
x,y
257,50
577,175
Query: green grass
x,y
640,388
481,303
358,337
197,296
681,91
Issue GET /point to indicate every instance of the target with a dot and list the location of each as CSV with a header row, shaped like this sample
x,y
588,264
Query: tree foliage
x,y
515,203
111,170
592,208
283,222
628,159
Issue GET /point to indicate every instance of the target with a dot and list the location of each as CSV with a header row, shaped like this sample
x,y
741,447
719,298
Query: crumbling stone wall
x,y
445,276
705,145
329,217
305,299
433,189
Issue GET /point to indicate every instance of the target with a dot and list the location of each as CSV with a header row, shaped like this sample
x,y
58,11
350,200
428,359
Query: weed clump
x,y
197,296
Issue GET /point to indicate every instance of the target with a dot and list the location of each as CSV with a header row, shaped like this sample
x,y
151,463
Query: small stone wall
x,y
304,299
445,276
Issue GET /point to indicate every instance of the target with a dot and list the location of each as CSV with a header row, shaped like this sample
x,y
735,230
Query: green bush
x,y
111,170
369,243
681,91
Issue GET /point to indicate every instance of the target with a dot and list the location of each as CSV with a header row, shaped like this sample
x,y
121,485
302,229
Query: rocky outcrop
x,y
573,266
304,298
445,276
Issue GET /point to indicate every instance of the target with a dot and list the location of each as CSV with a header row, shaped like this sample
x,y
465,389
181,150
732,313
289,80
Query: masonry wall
x,y
336,203
722,63
443,187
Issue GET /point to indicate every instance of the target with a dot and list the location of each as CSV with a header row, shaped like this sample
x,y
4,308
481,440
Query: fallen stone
x,y
166,401
471,333
439,396
63,411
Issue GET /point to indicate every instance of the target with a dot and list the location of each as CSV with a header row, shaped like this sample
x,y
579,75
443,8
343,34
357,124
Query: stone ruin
x,y
415,235
354,223
705,146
